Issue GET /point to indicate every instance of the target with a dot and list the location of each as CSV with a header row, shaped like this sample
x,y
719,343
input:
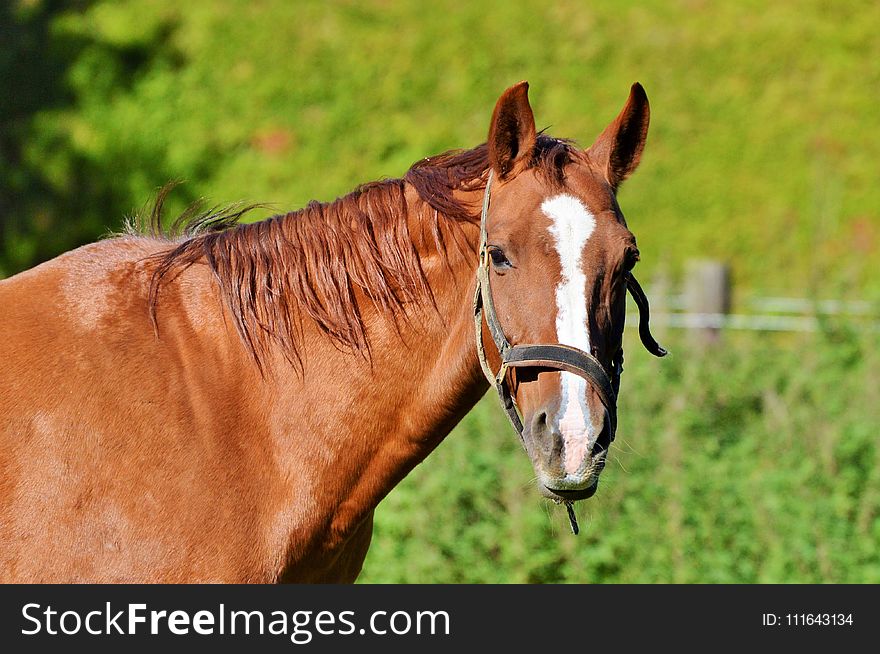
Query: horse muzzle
x,y
567,462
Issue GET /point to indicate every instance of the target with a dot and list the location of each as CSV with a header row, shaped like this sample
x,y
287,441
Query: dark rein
x,y
555,356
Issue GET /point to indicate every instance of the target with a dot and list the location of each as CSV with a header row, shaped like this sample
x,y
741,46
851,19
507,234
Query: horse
x,y
229,402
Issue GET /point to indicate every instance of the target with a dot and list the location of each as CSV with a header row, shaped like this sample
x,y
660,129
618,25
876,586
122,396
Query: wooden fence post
x,y
707,294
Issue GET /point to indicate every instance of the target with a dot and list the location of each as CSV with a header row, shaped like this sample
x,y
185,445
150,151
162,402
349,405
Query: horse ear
x,y
512,132
618,149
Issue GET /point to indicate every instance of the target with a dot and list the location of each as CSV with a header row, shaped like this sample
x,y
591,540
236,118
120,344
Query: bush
x,y
756,462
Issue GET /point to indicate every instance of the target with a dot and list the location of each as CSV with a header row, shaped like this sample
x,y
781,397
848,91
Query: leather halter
x,y
554,356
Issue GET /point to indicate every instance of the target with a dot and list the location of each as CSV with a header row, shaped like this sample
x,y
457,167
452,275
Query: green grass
x,y
755,463
762,149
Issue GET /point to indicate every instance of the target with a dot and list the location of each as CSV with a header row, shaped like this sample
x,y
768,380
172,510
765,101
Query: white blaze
x,y
571,227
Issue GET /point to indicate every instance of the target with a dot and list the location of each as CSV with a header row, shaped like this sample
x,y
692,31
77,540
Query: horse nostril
x,y
546,439
603,442
540,420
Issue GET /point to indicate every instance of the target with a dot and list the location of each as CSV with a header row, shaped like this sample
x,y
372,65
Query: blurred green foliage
x,y
757,462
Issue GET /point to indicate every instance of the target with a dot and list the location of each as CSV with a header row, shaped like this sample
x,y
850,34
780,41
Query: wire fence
x,y
769,314
706,301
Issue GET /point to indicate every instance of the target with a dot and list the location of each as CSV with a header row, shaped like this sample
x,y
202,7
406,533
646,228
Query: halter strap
x,y
554,356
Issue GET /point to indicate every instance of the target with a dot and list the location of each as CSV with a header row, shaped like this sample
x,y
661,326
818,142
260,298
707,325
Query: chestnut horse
x,y
230,404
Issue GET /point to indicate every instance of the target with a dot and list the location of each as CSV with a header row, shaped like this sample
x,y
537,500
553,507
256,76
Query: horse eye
x,y
499,260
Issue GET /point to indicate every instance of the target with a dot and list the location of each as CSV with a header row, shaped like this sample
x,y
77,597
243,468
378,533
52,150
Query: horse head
x,y
556,263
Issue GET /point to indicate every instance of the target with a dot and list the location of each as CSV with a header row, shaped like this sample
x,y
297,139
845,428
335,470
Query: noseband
x,y
554,356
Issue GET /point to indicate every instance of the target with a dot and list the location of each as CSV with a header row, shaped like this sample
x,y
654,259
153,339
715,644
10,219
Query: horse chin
x,y
559,495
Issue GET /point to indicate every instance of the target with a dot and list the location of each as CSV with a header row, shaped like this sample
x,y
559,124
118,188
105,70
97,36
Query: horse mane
x,y
310,263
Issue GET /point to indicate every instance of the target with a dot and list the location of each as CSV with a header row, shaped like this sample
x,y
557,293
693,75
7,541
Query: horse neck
x,y
362,423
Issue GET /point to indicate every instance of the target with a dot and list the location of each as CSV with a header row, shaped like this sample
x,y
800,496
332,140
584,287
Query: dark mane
x,y
310,264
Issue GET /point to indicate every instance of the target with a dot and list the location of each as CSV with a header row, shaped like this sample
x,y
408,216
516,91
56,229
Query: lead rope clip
x,y
572,518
